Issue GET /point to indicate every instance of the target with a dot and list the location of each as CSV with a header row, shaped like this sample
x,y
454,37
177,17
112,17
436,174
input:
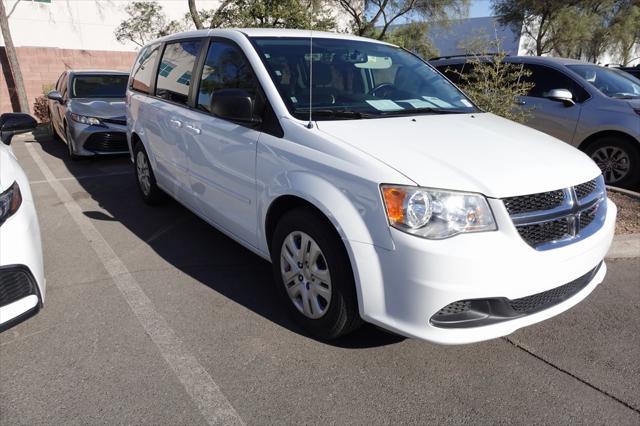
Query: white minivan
x,y
378,191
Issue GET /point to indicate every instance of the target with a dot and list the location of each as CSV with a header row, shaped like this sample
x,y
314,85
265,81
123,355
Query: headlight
x,y
10,201
436,214
86,120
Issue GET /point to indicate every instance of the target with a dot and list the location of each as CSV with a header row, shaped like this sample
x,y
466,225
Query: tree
x,y
12,57
495,85
374,18
146,22
532,18
413,37
625,32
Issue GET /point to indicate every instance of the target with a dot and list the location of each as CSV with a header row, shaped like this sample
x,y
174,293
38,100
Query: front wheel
x,y
619,160
313,274
72,154
151,193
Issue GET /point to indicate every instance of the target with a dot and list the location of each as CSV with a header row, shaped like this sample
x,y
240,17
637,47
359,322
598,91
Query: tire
x,y
147,185
72,155
328,276
53,131
619,160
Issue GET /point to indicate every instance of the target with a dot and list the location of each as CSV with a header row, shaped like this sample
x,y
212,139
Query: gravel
x,y
628,213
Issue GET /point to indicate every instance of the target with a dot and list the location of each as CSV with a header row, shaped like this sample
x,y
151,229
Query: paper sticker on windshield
x,y
385,105
294,99
418,103
437,102
466,103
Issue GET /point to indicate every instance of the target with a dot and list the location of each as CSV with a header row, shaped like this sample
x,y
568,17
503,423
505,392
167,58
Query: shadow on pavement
x,y
188,243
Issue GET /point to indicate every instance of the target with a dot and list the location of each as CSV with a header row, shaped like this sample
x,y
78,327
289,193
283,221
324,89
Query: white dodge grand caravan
x,y
377,189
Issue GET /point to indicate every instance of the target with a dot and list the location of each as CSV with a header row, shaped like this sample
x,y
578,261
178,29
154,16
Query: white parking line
x,y
33,182
204,392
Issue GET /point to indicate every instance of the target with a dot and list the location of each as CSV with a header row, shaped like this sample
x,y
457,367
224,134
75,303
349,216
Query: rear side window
x,y
176,69
143,69
546,79
225,67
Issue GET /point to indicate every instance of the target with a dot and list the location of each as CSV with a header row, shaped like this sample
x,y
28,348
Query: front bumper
x,y
402,289
109,139
19,294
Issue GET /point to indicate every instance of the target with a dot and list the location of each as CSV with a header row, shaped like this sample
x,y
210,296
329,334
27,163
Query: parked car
x,y
87,112
22,282
378,190
634,71
594,108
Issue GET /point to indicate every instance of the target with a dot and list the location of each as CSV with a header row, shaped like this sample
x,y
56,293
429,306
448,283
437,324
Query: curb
x,y
624,191
624,246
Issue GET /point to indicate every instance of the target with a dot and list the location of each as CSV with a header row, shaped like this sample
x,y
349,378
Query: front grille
x,y
586,188
556,218
534,202
539,233
107,142
118,120
15,283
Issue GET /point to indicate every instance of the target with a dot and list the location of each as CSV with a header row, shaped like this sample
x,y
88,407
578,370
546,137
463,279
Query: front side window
x,y
99,86
545,79
142,72
611,82
356,79
174,72
225,68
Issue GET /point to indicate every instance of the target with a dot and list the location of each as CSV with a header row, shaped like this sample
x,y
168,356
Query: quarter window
x,y
226,68
142,72
174,73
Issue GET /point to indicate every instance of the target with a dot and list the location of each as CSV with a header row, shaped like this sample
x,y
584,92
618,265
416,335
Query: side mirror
x,y
234,105
13,123
561,95
54,95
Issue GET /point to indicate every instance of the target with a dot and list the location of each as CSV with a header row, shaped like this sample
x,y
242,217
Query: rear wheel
x,y
313,274
619,160
151,193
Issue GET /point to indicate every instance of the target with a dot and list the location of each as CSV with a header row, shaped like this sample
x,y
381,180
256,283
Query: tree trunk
x,y
12,57
195,15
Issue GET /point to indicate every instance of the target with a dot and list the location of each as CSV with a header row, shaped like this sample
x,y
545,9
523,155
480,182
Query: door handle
x,y
193,129
176,123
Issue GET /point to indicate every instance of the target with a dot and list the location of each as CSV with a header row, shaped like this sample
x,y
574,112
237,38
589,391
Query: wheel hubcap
x,y
142,168
613,162
305,274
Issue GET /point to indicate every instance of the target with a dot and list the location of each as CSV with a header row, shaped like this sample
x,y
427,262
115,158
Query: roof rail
x,y
465,55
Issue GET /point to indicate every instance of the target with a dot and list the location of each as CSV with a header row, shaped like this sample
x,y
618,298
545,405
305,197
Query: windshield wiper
x,y
337,113
425,110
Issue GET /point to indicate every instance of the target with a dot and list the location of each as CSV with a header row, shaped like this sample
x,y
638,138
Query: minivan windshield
x,y
356,79
611,82
99,86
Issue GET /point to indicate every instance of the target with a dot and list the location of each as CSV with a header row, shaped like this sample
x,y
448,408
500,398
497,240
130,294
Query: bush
x,y
41,105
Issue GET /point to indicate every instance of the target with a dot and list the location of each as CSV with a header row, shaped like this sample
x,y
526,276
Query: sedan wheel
x,y
614,163
305,274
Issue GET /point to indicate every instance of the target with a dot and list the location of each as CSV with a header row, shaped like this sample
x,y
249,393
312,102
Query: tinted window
x,y
176,67
143,69
546,79
99,86
225,68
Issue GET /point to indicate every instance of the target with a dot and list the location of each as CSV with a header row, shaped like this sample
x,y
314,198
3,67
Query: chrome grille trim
x,y
581,213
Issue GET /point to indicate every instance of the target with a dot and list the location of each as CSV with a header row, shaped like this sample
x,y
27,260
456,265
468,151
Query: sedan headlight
x,y
86,120
10,201
434,213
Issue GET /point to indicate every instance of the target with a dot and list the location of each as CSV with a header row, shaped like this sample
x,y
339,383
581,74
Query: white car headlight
x,y
434,213
10,201
86,120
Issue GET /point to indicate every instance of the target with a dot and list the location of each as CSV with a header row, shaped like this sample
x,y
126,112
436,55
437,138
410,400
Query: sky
x,y
480,8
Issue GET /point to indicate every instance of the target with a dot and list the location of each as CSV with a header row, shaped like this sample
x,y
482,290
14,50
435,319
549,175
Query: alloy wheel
x,y
305,274
613,161
143,172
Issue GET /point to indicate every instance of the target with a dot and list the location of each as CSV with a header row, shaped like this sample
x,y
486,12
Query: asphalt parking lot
x,y
154,317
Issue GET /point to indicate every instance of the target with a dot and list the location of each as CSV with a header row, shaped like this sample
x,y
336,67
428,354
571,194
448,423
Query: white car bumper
x,y
402,289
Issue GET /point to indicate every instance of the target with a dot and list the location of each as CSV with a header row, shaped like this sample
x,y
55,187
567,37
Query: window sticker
x,y
437,102
466,103
385,105
418,103
294,99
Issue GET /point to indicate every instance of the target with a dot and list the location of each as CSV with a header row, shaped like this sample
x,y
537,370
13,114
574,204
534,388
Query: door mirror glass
x,y
54,95
562,95
13,123
234,105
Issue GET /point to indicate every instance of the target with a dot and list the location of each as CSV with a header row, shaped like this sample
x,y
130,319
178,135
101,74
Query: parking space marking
x,y
33,182
204,392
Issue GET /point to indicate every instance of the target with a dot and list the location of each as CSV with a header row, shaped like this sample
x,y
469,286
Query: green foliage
x,y
413,37
495,86
146,22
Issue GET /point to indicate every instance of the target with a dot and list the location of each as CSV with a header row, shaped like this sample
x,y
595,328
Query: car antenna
x,y
310,124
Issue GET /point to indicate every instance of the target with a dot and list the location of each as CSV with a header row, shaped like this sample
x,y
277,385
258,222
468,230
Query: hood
x,y
8,167
98,107
472,152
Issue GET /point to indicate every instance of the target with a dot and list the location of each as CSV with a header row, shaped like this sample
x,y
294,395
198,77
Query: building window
x,y
166,68
185,78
